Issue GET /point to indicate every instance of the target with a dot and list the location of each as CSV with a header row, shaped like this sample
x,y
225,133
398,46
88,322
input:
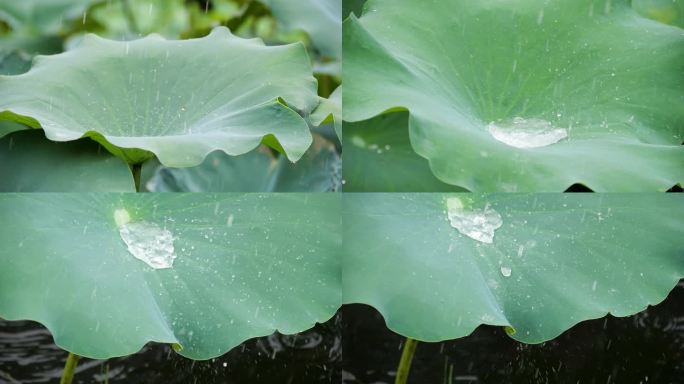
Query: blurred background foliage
x,y
33,27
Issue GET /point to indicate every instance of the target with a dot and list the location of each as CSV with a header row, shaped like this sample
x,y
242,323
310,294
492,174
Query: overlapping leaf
x,y
245,266
555,260
321,19
256,171
42,17
458,66
177,99
666,11
378,157
330,109
31,163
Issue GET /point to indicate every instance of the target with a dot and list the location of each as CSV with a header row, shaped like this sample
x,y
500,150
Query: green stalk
x,y
325,86
405,361
137,170
69,369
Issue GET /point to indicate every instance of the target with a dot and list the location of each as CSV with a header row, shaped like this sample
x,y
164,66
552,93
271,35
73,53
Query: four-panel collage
x,y
189,195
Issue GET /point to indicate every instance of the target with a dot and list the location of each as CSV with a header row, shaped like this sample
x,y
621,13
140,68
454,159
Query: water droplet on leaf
x,y
149,242
478,224
526,133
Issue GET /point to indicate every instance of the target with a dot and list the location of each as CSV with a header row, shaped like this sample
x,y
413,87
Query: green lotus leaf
x,y
352,6
520,95
245,265
378,157
7,127
31,163
27,43
554,259
321,19
14,62
148,96
330,109
42,16
256,171
666,11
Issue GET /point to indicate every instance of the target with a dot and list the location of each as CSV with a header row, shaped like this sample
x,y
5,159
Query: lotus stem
x,y
137,170
69,369
405,361
325,86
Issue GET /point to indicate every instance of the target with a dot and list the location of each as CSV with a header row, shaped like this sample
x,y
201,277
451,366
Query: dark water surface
x,y
645,348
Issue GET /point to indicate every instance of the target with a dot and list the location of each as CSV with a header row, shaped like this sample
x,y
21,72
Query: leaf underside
x,y
256,171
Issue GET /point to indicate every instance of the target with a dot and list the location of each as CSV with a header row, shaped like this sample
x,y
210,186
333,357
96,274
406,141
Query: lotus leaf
x,y
178,99
245,265
543,262
31,163
525,95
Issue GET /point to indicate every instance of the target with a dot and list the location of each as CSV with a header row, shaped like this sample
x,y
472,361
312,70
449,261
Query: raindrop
x,y
146,241
526,133
478,224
